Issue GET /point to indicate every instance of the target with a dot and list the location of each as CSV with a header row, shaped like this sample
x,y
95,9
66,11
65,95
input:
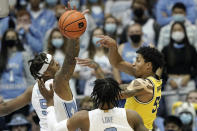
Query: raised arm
x,y
17,103
135,121
114,57
61,81
137,87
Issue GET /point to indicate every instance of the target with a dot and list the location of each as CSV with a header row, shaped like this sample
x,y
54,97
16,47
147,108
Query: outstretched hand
x,y
107,42
87,62
75,8
47,94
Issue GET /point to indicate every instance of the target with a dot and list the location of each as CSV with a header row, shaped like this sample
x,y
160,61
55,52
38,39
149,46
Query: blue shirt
x,y
166,7
12,82
45,21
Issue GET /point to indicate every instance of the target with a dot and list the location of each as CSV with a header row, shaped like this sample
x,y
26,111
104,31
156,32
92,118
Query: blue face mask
x,y
51,2
93,1
94,40
74,3
186,118
178,17
58,42
110,28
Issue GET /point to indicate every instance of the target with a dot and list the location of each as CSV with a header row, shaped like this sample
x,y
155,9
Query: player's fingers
x,y
69,7
85,11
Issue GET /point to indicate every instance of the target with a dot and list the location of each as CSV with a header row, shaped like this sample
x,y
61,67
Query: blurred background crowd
x,y
169,25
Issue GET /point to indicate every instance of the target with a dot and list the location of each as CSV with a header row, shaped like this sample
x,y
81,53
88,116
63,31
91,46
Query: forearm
x,y
10,106
99,72
52,123
114,57
129,93
72,51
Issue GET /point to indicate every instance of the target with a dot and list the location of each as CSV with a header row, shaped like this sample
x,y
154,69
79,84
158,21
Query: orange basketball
x,y
72,24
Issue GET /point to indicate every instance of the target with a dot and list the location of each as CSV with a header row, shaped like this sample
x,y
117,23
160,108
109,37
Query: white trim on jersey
x,y
53,125
45,65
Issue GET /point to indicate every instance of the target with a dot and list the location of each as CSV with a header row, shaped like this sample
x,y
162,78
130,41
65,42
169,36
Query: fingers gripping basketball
x,y
72,24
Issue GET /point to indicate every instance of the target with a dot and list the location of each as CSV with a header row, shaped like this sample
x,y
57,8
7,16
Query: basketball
x,y
72,24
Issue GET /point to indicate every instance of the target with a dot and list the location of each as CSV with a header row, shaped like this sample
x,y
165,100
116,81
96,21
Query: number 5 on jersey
x,y
156,104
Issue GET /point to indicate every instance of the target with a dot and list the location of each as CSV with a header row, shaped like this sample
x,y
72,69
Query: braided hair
x,y
36,64
106,91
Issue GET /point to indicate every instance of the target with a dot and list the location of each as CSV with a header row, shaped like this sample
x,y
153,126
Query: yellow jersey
x,y
147,111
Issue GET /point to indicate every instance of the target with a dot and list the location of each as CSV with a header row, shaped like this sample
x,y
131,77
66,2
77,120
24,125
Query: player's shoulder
x,y
82,115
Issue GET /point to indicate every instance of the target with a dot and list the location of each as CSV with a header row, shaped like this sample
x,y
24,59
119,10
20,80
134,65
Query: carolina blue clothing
x,y
3,25
166,7
45,21
34,39
12,82
129,54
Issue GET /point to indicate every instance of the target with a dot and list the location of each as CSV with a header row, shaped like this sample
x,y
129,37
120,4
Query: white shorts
x,y
64,109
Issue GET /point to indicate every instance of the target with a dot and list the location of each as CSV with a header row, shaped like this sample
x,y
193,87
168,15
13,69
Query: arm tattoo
x,y
72,51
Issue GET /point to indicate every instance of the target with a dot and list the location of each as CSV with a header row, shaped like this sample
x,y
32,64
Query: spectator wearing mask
x,y
110,27
173,123
178,14
96,10
181,66
139,14
86,75
19,123
42,18
14,71
28,33
187,115
164,11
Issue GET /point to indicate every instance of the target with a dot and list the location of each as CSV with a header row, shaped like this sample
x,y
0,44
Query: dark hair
x,y
179,5
50,48
91,47
4,50
36,64
152,55
171,54
106,91
173,119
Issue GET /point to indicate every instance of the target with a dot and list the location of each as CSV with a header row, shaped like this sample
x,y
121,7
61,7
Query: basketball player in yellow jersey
x,y
143,99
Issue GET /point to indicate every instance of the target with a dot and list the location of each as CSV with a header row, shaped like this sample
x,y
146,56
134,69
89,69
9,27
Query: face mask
x,y
186,118
58,42
94,40
74,2
93,1
110,28
12,2
51,2
135,38
178,36
139,12
36,119
178,17
10,43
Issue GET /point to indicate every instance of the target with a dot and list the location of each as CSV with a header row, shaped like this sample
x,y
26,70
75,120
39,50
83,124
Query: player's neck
x,y
147,75
106,107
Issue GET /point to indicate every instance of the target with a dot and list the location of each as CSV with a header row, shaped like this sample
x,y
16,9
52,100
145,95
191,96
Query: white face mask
x,y
178,36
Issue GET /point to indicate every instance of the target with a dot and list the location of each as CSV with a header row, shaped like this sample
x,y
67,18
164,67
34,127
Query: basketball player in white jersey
x,y
44,67
107,117
4,8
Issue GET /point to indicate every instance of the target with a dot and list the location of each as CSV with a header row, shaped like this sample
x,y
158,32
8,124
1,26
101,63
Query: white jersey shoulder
x,y
112,120
39,104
